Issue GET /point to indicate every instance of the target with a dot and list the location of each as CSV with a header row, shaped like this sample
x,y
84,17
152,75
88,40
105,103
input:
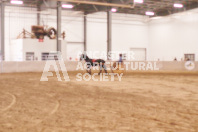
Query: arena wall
x,y
38,66
164,39
128,31
173,36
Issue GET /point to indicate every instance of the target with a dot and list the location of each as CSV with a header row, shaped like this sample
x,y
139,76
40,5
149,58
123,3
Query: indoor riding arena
x,y
98,66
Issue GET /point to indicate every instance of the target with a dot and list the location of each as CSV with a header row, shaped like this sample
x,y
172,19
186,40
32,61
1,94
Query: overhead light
x,y
18,2
67,6
178,6
149,13
138,1
113,9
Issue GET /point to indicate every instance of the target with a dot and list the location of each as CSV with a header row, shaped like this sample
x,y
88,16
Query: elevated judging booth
x,y
34,49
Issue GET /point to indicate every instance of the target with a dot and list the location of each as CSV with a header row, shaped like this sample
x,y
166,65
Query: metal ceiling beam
x,y
95,8
122,1
97,3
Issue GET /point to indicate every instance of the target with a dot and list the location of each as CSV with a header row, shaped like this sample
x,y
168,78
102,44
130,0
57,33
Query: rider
x,y
120,58
120,61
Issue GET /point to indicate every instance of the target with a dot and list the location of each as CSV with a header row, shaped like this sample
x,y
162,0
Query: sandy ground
x,y
152,102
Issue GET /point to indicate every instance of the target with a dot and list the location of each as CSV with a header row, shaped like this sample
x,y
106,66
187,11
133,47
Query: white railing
x,y
38,66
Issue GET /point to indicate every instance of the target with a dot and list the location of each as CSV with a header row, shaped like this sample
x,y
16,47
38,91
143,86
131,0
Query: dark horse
x,y
93,62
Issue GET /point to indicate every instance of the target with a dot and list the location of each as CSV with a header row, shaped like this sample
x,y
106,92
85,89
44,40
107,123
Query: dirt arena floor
x,y
141,102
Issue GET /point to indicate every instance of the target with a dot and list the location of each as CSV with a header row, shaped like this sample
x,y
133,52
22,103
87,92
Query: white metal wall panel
x,y
139,54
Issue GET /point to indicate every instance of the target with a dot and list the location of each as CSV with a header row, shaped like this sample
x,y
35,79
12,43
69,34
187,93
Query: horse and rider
x,y
97,62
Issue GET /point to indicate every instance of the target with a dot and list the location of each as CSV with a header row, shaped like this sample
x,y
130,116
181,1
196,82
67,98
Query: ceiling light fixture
x,y
113,10
178,5
149,13
67,6
138,1
18,2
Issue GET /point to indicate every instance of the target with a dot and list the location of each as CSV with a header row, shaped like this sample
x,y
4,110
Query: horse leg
x,y
89,69
105,68
100,69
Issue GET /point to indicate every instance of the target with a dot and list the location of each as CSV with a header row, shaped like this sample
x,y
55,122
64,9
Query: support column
x,y
2,31
109,32
58,37
85,32
38,15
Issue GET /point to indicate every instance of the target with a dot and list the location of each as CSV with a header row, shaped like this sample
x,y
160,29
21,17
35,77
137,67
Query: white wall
x,y
174,36
97,32
131,34
0,33
164,38
128,31
17,19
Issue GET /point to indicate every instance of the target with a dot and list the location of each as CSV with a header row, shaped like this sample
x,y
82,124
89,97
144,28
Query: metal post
x,y
38,14
109,32
85,32
2,31
59,8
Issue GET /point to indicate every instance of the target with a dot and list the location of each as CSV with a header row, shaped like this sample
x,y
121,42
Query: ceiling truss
x,y
160,7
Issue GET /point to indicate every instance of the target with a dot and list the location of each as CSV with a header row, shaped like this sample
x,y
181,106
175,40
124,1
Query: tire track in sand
x,y
54,110
11,104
